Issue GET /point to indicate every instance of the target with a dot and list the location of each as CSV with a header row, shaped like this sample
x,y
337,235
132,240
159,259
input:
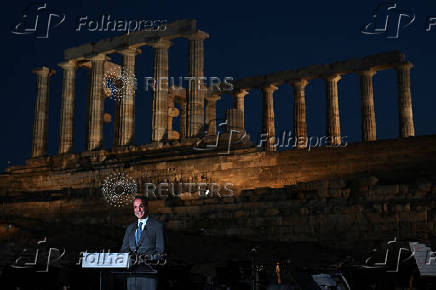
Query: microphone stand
x,y
254,274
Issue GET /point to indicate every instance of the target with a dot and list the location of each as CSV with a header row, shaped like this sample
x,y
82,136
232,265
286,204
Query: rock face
x,y
245,168
335,213
368,192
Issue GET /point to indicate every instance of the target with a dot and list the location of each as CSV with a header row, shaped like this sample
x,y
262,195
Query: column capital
x,y
130,51
98,57
68,64
161,43
270,89
299,83
367,73
41,70
334,77
404,65
213,98
199,35
241,93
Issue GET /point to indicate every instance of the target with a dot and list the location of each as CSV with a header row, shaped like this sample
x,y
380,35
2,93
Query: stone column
x,y
117,114
405,111
126,125
234,117
66,129
268,116
367,106
333,123
160,92
238,103
183,130
195,98
173,112
40,122
300,125
117,107
211,114
95,104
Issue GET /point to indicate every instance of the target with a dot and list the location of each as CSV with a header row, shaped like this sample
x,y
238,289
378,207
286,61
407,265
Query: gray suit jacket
x,y
152,238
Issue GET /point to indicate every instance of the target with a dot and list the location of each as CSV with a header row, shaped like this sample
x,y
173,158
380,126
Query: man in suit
x,y
145,236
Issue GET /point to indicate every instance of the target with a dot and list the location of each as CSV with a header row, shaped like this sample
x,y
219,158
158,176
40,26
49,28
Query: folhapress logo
x,y
388,20
38,20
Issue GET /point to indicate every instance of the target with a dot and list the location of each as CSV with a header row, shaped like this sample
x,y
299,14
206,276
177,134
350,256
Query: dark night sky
x,y
246,39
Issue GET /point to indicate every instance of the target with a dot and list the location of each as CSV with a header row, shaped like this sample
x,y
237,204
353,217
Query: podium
x,y
119,264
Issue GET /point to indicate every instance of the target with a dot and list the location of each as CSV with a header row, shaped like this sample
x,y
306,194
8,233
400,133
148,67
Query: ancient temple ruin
x,y
194,98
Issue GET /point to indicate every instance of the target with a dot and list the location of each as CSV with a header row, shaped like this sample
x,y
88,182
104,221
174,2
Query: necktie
x,y
138,233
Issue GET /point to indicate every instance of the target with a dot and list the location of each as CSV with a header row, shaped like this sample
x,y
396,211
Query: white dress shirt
x,y
144,222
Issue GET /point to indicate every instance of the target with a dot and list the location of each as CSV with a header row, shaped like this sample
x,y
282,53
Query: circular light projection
x,y
119,189
119,83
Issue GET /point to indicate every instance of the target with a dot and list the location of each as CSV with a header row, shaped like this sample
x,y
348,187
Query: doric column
x,y
300,125
234,117
195,98
66,128
126,122
95,104
333,122
117,113
211,114
405,111
40,123
367,105
117,106
268,116
238,103
173,112
160,92
183,130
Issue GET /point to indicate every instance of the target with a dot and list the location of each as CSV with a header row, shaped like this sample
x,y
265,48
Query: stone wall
x,y
245,168
337,213
355,197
